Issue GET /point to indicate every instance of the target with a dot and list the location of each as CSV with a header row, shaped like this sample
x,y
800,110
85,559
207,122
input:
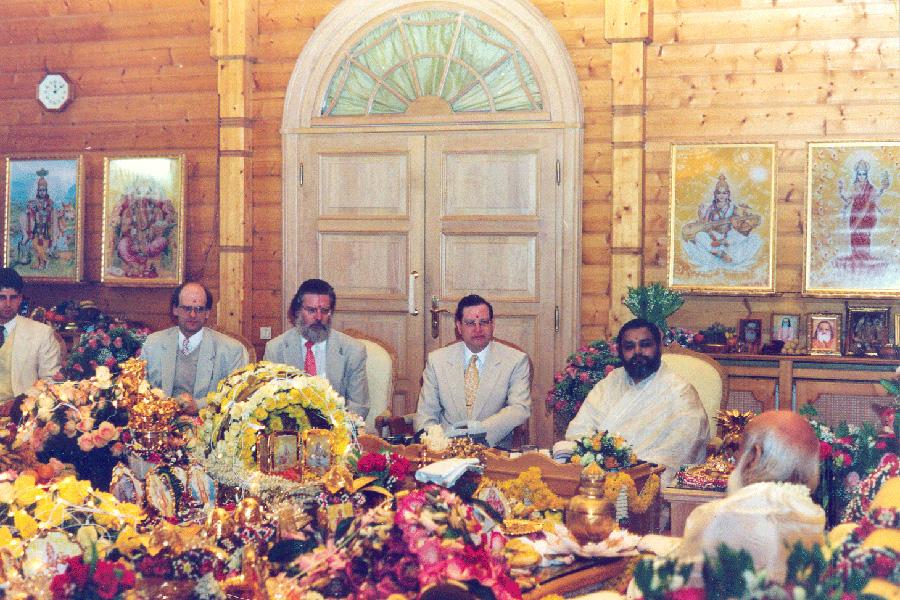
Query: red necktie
x,y
309,365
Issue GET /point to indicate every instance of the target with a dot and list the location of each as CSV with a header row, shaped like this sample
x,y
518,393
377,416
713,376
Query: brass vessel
x,y
590,517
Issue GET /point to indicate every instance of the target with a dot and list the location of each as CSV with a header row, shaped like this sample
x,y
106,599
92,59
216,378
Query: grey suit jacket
x,y
35,354
503,401
219,356
345,364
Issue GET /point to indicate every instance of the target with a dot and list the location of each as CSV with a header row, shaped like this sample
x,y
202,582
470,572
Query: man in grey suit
x,y
476,385
190,359
28,350
315,347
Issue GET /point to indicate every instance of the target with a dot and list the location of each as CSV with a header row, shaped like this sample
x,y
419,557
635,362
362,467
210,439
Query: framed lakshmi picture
x,y
785,327
868,329
852,216
42,237
722,218
284,450
143,221
824,331
317,456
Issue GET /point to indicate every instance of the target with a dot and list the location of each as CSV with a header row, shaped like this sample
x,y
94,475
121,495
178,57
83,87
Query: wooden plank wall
x,y
145,84
784,71
764,71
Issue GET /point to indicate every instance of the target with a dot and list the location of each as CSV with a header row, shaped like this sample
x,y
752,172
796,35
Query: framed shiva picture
x,y
42,237
852,219
143,220
722,218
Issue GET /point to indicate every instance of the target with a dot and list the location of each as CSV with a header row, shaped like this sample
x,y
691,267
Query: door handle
x,y
436,318
411,294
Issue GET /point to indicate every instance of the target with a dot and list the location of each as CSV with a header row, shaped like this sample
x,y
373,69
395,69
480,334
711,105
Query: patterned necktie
x,y
471,383
186,346
309,364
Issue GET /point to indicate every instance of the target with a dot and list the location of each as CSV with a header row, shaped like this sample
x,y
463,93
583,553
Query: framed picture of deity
x,y
143,221
824,331
785,327
852,218
722,219
42,236
868,329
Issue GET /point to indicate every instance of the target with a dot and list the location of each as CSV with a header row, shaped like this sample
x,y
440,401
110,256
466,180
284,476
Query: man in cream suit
x,y
28,350
476,385
189,359
312,345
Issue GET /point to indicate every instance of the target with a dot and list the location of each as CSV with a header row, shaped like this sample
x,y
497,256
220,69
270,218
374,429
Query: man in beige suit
x,y
476,385
28,350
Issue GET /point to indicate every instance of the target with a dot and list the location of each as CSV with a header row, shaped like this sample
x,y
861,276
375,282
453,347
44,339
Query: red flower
x,y
883,566
105,580
371,462
687,594
824,450
399,466
61,587
609,369
881,445
127,578
77,571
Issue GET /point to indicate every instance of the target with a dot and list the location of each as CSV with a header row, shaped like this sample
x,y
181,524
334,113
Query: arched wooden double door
x,y
405,218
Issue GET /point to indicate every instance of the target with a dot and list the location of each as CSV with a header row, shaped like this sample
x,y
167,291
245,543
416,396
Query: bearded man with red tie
x,y
315,347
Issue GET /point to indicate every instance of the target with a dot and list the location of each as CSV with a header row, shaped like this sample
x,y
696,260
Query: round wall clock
x,y
55,91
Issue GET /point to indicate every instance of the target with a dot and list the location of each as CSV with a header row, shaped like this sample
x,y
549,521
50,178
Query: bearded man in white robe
x,y
657,411
769,506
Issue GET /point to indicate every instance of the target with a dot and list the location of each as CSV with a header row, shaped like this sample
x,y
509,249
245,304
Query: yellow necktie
x,y
471,383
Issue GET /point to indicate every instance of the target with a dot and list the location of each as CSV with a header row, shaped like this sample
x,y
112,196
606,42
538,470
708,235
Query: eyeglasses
x,y
193,310
312,310
473,322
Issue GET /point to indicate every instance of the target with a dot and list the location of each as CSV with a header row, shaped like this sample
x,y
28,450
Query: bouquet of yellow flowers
x,y
609,450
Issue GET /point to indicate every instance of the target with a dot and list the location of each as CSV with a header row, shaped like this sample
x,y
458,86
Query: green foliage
x,y
654,302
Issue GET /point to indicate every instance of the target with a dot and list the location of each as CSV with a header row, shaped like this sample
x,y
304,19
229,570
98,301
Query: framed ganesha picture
x,y
143,220
852,219
722,218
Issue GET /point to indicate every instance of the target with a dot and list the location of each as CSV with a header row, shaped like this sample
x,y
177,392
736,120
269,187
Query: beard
x,y
640,367
315,332
823,337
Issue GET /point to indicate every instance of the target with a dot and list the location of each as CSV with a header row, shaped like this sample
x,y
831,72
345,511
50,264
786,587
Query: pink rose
x,y
86,442
107,431
609,369
824,450
117,342
583,377
92,343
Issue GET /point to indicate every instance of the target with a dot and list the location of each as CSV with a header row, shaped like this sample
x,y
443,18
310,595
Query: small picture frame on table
x,y
824,331
897,330
750,334
785,327
868,329
317,455
284,450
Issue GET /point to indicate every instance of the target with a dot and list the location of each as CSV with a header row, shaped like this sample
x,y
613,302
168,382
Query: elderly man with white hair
x,y
768,507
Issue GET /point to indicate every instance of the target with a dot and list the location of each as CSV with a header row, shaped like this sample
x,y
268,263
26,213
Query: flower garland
x,y
608,450
528,493
868,487
637,503
266,397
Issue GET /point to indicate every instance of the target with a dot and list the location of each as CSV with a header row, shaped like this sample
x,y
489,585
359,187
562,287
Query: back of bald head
x,y
780,446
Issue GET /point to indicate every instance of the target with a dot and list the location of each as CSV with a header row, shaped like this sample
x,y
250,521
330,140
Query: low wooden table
x,y
581,576
683,502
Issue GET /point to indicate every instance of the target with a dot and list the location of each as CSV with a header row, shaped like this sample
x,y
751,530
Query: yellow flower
x,y
26,525
10,544
269,404
25,490
7,493
260,413
74,491
49,511
129,540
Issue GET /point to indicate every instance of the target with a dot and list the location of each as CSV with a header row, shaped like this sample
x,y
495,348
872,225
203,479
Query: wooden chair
x,y
251,349
380,376
708,377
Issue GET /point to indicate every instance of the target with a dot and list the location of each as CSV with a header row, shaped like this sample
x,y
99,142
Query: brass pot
x,y
590,517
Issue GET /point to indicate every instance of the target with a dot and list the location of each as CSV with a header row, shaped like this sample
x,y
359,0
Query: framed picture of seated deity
x,y
722,219
42,237
868,329
143,221
852,219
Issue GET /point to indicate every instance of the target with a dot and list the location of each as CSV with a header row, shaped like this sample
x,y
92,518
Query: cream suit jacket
x,y
345,364
35,354
503,401
219,356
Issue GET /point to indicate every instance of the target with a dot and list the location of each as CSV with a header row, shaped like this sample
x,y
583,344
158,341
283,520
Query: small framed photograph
x,y
317,457
284,450
824,330
785,327
897,330
750,331
143,221
868,329
43,239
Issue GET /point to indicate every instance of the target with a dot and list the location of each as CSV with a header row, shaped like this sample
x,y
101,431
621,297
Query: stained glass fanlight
x,y
432,61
